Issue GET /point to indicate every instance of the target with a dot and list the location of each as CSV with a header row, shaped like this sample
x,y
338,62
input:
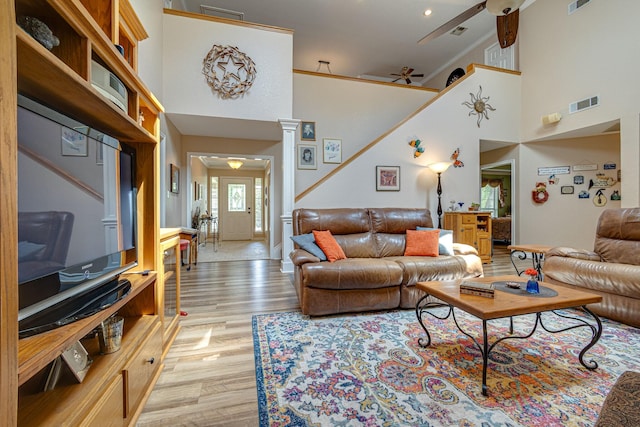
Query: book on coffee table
x,y
476,288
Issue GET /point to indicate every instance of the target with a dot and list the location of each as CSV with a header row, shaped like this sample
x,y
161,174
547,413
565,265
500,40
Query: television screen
x,y
76,217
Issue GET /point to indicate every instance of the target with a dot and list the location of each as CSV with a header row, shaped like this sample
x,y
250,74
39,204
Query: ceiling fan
x,y
507,16
405,74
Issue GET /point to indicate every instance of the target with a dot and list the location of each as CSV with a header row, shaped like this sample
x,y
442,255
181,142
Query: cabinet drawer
x,y
109,411
141,369
468,219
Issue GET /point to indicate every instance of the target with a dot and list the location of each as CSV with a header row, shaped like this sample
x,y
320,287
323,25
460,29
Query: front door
x,y
495,56
236,216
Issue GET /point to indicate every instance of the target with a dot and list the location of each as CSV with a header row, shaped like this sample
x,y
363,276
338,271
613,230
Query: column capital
x,y
289,124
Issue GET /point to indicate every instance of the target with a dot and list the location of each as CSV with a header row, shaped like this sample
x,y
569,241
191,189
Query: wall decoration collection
x,y
228,71
600,182
479,106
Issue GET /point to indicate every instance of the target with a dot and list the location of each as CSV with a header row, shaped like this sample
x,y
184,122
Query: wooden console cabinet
x,y
471,228
116,385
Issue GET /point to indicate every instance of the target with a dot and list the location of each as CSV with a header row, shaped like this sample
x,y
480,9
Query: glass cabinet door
x,y
170,286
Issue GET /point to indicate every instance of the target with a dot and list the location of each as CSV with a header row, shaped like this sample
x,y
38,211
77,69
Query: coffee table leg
x,y
422,307
596,332
485,357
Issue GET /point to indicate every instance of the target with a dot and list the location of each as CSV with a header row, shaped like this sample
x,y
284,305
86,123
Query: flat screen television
x,y
76,218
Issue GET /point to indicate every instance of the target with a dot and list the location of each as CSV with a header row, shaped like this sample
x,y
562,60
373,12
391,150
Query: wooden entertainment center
x,y
116,385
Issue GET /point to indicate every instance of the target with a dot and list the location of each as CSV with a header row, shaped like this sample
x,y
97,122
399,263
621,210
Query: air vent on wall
x,y
575,5
221,13
574,107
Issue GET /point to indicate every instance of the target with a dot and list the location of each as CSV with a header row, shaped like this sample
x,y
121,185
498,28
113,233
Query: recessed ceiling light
x,y
427,12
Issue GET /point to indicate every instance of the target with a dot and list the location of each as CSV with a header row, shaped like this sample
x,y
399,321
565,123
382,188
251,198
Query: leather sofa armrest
x,y
563,251
464,249
300,256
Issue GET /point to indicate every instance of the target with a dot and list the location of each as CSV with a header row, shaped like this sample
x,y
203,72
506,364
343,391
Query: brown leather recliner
x,y
612,269
376,275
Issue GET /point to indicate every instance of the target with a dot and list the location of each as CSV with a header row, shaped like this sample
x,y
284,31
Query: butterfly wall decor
x,y
418,150
457,163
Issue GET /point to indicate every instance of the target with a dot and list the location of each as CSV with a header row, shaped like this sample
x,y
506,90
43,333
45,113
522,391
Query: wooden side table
x,y
537,256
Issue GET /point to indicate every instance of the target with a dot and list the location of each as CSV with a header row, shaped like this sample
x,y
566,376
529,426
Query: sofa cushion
x,y
422,243
445,240
352,273
308,243
618,236
398,220
329,245
339,221
421,269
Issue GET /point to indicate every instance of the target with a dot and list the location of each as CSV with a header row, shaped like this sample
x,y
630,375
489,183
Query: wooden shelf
x,y
62,76
36,352
68,402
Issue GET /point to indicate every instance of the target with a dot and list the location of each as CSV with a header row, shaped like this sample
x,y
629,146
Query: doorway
x,y
498,196
236,217
238,200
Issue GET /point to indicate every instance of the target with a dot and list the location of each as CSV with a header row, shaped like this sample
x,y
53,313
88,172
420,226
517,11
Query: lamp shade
x,y
439,167
234,164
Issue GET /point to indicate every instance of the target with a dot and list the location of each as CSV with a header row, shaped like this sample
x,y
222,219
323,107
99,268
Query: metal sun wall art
x,y
228,71
479,106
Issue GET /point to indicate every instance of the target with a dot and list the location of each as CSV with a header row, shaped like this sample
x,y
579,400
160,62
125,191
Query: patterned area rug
x,y
369,370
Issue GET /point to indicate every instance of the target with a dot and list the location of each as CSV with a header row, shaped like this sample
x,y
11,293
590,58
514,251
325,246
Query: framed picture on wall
x,y
174,173
331,150
308,131
307,157
387,178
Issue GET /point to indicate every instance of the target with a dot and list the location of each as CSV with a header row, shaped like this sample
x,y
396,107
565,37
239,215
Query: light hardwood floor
x,y
209,373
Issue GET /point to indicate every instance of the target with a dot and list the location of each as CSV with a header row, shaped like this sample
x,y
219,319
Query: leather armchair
x,y
611,269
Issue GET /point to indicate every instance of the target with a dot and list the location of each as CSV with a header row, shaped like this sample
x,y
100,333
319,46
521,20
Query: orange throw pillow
x,y
329,245
422,243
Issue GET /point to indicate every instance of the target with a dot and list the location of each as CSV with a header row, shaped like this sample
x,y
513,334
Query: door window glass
x,y
236,200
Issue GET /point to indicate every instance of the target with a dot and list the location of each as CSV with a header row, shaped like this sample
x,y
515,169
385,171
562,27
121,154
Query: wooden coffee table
x,y
508,303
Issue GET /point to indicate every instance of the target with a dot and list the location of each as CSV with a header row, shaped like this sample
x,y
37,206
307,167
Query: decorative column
x,y
289,127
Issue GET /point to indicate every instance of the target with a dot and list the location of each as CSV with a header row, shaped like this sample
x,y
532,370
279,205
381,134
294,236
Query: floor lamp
x,y
438,168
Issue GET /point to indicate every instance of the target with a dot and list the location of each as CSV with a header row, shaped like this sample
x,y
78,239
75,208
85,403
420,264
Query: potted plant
x,y
474,206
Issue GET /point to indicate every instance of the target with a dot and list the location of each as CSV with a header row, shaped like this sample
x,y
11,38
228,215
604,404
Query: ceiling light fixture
x,y
427,12
234,164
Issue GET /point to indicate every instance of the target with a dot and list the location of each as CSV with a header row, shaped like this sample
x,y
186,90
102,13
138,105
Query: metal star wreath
x,y
228,71
479,106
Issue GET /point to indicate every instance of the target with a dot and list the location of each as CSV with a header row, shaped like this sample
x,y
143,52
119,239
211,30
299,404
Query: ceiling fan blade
x,y
417,75
507,28
409,71
395,80
408,81
448,26
395,74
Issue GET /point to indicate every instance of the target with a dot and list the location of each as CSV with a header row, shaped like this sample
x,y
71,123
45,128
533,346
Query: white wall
x,y
150,49
357,112
187,40
566,58
565,220
442,126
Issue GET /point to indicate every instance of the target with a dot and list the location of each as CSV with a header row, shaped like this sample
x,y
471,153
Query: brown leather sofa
x,y
376,275
612,269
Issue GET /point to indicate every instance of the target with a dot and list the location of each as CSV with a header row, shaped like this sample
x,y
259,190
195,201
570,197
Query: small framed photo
x,y
308,131
73,143
331,150
307,157
578,179
387,178
566,189
174,172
